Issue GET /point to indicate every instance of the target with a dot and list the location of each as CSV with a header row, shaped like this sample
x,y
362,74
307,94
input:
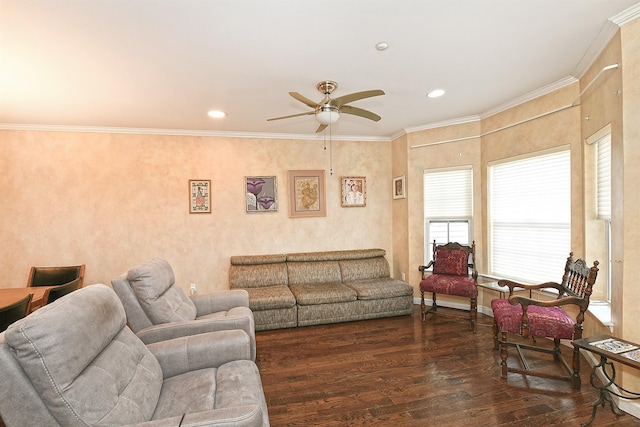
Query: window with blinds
x,y
448,207
603,179
530,217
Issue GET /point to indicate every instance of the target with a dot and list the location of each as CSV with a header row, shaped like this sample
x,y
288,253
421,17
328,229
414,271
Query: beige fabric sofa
x,y
312,288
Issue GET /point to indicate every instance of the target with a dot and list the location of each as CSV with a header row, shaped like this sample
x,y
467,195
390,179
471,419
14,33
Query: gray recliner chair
x,y
75,363
157,309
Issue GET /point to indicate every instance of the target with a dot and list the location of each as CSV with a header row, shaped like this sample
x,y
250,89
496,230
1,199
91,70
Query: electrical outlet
x,y
403,276
193,289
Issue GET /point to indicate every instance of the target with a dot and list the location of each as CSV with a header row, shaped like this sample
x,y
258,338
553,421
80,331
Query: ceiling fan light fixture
x,y
327,114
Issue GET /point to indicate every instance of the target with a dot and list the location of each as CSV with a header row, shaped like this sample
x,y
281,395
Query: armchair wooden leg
x,y
503,355
423,316
575,375
473,314
495,334
434,305
556,349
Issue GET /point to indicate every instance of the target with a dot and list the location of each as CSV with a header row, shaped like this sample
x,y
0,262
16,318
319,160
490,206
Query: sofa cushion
x,y
322,293
248,275
159,297
362,269
374,289
270,298
78,350
451,261
302,273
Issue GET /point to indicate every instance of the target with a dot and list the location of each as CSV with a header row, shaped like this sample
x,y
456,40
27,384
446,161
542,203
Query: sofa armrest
x,y
167,331
210,350
245,415
220,301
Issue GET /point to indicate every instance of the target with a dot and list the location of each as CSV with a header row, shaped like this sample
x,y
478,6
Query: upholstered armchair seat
x,y
550,322
75,363
157,309
450,284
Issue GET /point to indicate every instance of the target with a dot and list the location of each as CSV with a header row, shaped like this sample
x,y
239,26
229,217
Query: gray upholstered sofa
x,y
158,309
312,288
75,363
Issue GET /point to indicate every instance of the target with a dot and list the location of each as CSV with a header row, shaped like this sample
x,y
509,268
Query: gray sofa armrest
x,y
210,350
167,331
220,301
246,415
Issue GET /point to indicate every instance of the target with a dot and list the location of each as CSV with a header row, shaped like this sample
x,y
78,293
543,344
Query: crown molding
x,y
545,90
186,132
452,122
626,16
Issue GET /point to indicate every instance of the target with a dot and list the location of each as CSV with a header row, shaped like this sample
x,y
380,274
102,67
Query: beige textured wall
x,y
400,211
112,201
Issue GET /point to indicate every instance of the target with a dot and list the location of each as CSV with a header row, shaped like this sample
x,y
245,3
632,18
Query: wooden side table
x,y
610,349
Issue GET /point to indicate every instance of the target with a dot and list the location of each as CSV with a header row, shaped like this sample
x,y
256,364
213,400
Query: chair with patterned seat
x,y
454,273
527,317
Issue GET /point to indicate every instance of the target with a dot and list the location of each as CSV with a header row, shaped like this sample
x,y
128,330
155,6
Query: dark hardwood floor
x,y
401,372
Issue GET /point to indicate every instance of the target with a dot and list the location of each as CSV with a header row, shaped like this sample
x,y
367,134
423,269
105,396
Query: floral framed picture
x,y
307,194
354,191
262,193
399,187
199,196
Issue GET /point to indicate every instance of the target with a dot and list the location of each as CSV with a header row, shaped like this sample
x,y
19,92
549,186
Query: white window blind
x,y
530,217
448,207
603,183
447,194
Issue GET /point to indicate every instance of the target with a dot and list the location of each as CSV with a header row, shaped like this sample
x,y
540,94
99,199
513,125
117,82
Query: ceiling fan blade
x,y
342,100
348,109
303,99
321,128
292,115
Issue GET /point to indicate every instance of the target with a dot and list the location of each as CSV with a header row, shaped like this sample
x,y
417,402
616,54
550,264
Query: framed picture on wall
x,y
399,187
354,191
199,196
261,193
307,194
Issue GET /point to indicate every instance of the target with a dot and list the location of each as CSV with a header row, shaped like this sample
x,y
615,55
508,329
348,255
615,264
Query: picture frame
x,y
354,191
307,197
199,196
399,187
261,194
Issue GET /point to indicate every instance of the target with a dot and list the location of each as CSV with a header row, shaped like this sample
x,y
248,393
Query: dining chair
x,y
56,292
13,312
50,276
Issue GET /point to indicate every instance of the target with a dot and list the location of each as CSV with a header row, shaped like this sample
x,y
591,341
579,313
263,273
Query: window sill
x,y
602,311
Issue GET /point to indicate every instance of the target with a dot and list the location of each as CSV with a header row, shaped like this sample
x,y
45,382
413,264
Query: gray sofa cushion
x,y
375,289
247,272
322,293
302,273
362,269
112,369
269,298
154,285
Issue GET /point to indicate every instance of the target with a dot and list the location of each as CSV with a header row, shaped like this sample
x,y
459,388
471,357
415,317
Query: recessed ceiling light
x,y
435,93
382,46
216,114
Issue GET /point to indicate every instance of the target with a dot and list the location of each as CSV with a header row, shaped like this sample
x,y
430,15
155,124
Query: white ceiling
x,y
162,64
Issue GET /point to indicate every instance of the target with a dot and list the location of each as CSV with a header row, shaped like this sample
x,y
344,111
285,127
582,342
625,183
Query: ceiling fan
x,y
329,109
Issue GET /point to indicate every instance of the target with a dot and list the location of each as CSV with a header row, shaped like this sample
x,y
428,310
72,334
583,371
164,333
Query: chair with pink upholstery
x,y
545,319
454,273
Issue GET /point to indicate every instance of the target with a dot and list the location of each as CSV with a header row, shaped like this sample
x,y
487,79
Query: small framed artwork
x,y
354,191
261,192
307,194
399,187
199,196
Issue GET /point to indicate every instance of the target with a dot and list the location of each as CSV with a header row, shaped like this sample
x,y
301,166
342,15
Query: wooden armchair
x,y
534,318
452,264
